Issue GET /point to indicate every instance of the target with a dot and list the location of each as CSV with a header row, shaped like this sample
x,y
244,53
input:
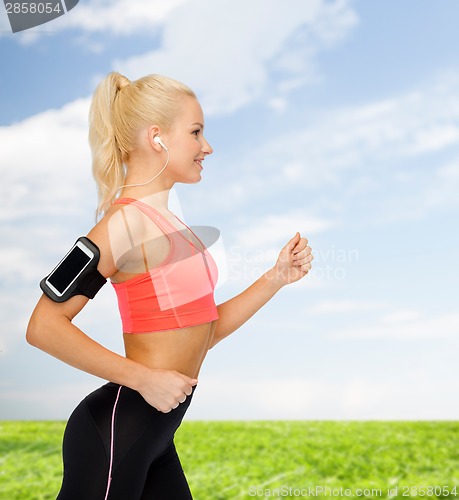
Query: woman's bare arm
x,y
235,312
293,263
51,330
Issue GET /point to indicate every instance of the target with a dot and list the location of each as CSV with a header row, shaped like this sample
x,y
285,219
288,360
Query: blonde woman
x,y
145,136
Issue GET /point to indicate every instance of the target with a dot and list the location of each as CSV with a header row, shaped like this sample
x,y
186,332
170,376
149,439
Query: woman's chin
x,y
190,180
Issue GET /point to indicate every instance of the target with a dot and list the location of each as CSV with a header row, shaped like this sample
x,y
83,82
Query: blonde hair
x,y
119,110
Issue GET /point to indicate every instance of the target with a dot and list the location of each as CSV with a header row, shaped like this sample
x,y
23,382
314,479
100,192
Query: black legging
x,y
145,462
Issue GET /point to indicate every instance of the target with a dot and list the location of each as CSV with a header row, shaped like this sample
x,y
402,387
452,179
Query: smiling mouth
x,y
199,162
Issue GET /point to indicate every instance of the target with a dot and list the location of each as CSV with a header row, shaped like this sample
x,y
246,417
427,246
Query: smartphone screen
x,y
69,269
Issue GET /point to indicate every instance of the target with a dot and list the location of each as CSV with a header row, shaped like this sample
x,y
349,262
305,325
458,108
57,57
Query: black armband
x,y
76,273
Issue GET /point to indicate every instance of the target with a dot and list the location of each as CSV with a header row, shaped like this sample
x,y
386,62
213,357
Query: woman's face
x,y
186,143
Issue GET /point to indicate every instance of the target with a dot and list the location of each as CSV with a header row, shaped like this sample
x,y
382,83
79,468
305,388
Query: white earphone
x,y
156,140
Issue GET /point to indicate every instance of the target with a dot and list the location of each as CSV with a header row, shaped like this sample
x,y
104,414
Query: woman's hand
x,y
165,389
294,261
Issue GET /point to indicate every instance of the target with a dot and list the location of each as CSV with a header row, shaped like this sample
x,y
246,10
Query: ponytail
x,y
118,111
107,158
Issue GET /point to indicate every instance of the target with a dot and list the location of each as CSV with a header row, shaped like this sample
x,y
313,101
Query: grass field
x,y
269,459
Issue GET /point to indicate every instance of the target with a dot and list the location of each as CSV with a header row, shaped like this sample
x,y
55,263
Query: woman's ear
x,y
153,132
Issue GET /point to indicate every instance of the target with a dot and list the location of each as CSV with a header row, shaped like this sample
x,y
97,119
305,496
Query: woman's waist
x,y
182,350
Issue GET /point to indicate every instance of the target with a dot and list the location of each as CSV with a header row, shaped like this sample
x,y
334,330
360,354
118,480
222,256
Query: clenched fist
x,y
294,261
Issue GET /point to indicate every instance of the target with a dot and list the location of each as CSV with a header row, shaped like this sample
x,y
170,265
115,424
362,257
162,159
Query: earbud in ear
x,y
158,140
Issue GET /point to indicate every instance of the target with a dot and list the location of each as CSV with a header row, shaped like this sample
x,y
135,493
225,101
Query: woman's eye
x,y
196,132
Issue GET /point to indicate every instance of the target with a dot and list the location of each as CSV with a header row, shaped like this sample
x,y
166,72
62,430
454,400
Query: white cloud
x,y
343,306
443,187
16,256
120,17
277,229
255,245
279,104
117,17
239,43
56,401
406,328
362,136
238,39
356,153
46,192
415,396
449,172
401,316
53,170
434,138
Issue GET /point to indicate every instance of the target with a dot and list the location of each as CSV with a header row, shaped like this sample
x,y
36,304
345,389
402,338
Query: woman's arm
x,y
292,264
51,330
235,312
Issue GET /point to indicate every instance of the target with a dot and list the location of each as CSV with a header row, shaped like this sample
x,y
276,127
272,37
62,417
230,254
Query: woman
x,y
145,136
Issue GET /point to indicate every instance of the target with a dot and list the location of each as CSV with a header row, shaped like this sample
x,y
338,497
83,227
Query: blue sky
x,y
339,119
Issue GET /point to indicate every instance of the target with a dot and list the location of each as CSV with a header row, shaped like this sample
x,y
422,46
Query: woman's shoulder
x,y
118,223
124,229
112,233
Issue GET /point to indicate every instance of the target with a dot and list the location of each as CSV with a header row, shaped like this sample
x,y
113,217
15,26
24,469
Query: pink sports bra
x,y
178,293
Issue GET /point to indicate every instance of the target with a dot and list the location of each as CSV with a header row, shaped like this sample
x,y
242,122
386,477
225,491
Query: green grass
x,y
244,460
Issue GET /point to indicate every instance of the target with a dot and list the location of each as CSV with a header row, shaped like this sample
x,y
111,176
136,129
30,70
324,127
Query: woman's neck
x,y
157,199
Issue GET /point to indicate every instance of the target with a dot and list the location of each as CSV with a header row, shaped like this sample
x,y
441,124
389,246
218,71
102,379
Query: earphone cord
x,y
152,179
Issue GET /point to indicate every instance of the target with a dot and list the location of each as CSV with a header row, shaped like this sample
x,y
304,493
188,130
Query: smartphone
x,y
64,275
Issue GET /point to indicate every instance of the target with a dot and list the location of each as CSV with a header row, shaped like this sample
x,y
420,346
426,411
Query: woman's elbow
x,y
40,329
34,331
